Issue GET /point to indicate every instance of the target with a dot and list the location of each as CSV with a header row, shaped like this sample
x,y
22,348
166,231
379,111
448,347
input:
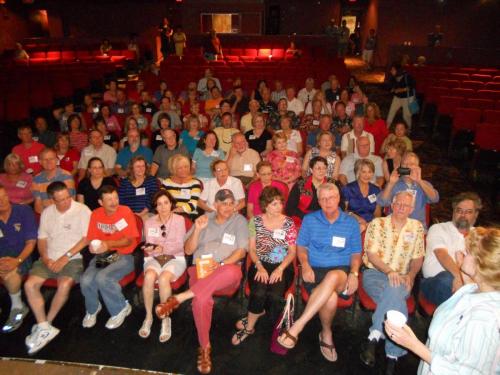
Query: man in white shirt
x,y
349,140
442,276
306,94
294,104
346,172
61,237
202,83
97,148
242,161
221,180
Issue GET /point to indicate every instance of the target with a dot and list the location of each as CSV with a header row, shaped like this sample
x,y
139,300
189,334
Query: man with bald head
x,y
97,148
242,161
346,173
350,139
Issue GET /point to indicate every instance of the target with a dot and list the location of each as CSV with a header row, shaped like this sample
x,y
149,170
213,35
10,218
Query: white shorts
x,y
175,266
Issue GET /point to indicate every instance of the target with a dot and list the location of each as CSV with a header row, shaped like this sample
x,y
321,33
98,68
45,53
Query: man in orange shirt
x,y
112,236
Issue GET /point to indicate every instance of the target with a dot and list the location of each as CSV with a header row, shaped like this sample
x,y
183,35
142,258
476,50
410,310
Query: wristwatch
x,y
221,264
69,255
355,273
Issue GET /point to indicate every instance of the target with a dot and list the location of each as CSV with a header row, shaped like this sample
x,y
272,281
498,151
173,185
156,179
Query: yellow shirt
x,y
225,137
395,249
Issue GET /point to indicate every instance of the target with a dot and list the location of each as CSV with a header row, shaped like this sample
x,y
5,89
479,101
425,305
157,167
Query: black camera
x,y
105,259
404,171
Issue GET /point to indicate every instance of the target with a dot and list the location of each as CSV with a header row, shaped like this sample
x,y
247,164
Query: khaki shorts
x,y
175,266
73,269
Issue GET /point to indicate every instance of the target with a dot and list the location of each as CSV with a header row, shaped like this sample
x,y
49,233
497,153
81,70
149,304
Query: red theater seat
x,y
68,56
491,116
488,94
459,76
427,306
464,93
487,137
466,119
481,104
278,53
448,104
480,77
448,83
494,86
53,56
473,85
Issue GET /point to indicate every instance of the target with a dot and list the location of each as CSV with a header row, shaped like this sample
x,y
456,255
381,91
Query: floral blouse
x,y
286,167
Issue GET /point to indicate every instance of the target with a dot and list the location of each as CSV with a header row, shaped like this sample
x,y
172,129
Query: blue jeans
x,y
106,281
437,289
387,298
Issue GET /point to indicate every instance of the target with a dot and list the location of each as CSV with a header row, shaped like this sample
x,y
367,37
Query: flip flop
x,y
328,350
287,335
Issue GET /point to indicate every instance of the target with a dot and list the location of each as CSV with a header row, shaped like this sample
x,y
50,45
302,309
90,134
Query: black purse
x,y
105,259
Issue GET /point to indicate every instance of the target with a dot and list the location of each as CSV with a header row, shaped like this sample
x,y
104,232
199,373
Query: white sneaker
x,y
31,337
90,319
117,320
42,337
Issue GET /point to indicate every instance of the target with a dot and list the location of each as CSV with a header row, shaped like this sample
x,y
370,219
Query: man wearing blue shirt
x,y
328,248
422,190
18,235
134,148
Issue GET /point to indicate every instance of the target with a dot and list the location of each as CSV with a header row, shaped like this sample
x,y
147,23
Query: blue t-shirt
x,y
357,203
125,155
190,142
20,228
137,198
329,245
203,162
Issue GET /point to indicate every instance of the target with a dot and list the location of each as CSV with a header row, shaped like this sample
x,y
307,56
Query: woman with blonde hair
x,y
464,333
285,163
16,182
325,147
326,108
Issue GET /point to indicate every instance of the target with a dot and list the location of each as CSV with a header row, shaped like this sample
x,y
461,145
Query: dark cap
x,y
224,194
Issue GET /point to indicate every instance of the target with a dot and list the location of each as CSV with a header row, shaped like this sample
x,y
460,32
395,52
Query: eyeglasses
x,y
464,212
402,205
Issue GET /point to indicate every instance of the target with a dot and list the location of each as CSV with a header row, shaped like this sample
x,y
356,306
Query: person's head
x,y
466,207
264,172
100,124
340,109
318,167
224,203
395,148
325,140
120,96
165,103
96,138
325,122
410,160
358,123
179,166
220,170
290,92
395,69
225,106
95,167
253,105
60,195
163,202
48,159
41,124
208,73
402,205
317,106
282,105
278,85
372,111
334,82
112,85
163,85
481,262
261,84
363,146
108,198
437,28
105,111
328,198
271,200
13,164
258,121
266,94
62,142
131,123
344,95
227,120
5,205
193,123
136,109
279,141
163,121
69,107
400,128
194,108
215,92
209,140
285,123
140,85
133,138
364,169
170,137
309,84
137,168
238,91
25,134
239,142
74,123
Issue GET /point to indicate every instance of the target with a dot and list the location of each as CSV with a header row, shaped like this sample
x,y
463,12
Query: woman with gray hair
x,y
17,183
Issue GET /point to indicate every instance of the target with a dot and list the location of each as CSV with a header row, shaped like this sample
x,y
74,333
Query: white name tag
x,y
21,184
247,168
29,170
412,192
315,122
95,110
148,110
158,137
154,232
289,159
228,239
251,137
35,139
87,152
1,234
215,154
372,198
33,159
279,234
120,110
121,224
196,138
140,191
107,137
409,237
338,241
185,193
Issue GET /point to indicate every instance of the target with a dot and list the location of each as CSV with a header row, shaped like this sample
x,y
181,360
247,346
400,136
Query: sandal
x,y
241,336
204,362
287,335
166,329
243,322
328,350
146,328
165,309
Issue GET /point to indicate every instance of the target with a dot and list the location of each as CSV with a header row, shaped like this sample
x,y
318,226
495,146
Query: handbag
x,y
413,105
284,323
105,259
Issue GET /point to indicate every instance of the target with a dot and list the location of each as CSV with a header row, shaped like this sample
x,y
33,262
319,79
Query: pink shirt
x,y
255,189
30,156
19,190
171,237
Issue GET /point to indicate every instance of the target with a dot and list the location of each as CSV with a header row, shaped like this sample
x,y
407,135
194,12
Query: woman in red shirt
x,y
375,125
68,157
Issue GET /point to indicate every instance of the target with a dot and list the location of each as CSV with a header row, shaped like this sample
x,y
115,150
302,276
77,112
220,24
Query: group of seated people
x,y
309,204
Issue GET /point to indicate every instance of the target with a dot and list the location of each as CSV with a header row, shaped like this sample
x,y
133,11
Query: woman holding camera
x,y
164,260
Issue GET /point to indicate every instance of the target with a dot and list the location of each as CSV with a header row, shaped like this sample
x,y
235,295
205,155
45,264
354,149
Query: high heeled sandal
x,y
204,362
165,309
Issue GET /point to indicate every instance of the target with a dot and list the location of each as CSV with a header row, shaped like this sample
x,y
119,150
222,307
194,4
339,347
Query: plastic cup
x,y
95,244
396,318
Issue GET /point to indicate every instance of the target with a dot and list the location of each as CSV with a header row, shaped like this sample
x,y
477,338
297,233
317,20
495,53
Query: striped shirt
x,y
186,194
41,182
329,245
137,198
78,140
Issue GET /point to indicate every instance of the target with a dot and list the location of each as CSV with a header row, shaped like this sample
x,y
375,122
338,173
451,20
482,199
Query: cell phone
x,y
404,171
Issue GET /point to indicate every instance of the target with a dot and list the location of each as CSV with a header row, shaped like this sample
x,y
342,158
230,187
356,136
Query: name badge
x,y
228,239
315,122
107,137
120,110
35,139
154,232
140,191
412,192
372,198
338,241
87,152
95,109
158,137
21,184
289,159
185,193
247,168
33,159
279,234
215,154
409,237
251,137
29,170
1,234
196,138
148,110
121,224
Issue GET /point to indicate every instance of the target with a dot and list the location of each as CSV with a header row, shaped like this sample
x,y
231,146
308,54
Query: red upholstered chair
x,y
449,83
465,93
494,86
491,116
481,77
426,306
488,94
16,108
496,79
487,137
38,57
68,56
459,76
53,56
474,85
466,119
481,104
446,105
278,53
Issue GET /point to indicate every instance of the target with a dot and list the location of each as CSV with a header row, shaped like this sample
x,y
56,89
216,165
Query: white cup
x,y
95,244
396,318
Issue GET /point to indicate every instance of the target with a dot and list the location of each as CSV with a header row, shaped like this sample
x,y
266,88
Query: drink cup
x,y
95,244
396,318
